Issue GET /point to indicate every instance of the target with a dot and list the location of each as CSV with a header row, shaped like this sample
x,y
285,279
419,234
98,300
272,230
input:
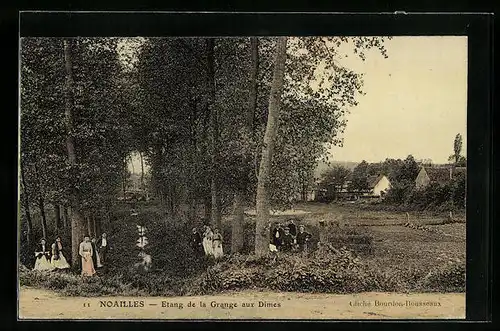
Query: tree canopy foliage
x,y
196,109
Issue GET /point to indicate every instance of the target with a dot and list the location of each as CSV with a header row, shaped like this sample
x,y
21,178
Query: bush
x,y
447,278
326,270
49,280
434,197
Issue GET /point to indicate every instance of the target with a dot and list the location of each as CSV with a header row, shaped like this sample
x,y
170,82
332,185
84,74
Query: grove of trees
x,y
223,123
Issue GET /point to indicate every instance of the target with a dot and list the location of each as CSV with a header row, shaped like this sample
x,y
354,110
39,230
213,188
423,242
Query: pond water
x,y
142,242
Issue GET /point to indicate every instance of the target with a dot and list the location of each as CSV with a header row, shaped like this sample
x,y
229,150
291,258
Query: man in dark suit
x,y
287,241
293,228
302,238
103,246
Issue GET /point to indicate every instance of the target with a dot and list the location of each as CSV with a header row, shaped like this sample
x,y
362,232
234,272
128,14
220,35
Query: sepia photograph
x,y
247,178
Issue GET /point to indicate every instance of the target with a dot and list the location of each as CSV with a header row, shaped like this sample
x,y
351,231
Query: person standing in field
x,y
196,242
277,236
302,238
96,259
287,241
217,244
293,228
103,247
42,254
58,260
272,241
207,241
86,253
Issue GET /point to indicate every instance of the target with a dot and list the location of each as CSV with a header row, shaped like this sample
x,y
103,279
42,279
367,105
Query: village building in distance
x,y
438,175
378,186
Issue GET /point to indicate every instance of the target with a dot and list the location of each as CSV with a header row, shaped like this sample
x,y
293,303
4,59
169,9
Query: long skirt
x,y
98,258
43,264
218,249
208,246
87,265
60,263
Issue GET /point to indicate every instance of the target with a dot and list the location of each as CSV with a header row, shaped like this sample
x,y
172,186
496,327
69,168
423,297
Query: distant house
x,y
438,175
378,185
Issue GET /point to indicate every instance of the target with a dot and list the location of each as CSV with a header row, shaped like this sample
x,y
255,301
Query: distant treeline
x,y
402,174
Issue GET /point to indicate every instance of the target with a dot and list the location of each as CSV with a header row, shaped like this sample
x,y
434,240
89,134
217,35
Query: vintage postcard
x,y
242,178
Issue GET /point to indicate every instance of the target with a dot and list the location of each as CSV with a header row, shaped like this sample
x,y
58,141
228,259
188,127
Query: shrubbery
x,y
449,196
326,270
448,278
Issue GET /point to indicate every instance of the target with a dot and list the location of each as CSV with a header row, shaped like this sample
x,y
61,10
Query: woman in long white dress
x,y
207,241
42,254
96,257
217,244
86,253
58,260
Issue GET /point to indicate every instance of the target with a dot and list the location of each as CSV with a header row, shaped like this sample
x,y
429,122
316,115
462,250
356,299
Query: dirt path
x,y
42,304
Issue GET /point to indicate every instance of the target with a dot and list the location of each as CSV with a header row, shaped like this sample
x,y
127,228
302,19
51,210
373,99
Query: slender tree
x,y
262,199
214,123
26,203
237,237
77,220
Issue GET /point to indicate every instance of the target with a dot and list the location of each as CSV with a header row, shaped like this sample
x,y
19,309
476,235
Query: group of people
x,y
50,257
288,239
285,238
208,243
92,252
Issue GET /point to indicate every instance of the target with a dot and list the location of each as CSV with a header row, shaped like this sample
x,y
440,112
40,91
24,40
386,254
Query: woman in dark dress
x,y
42,255
196,242
277,236
58,260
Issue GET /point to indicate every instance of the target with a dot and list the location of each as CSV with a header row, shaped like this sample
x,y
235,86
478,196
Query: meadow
x,y
364,249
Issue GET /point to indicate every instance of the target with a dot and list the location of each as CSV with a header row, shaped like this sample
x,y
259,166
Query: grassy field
x,y
392,242
373,250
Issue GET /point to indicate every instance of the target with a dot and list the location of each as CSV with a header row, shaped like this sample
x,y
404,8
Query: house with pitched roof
x,y
378,185
437,175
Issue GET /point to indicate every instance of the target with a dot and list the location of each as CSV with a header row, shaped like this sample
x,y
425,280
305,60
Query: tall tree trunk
x,y
142,170
94,224
192,194
65,217
252,101
192,210
262,222
57,210
89,225
77,221
214,123
237,236
207,203
41,205
98,225
124,181
26,205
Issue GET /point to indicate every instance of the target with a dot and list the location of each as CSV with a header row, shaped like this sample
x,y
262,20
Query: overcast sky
x,y
415,102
